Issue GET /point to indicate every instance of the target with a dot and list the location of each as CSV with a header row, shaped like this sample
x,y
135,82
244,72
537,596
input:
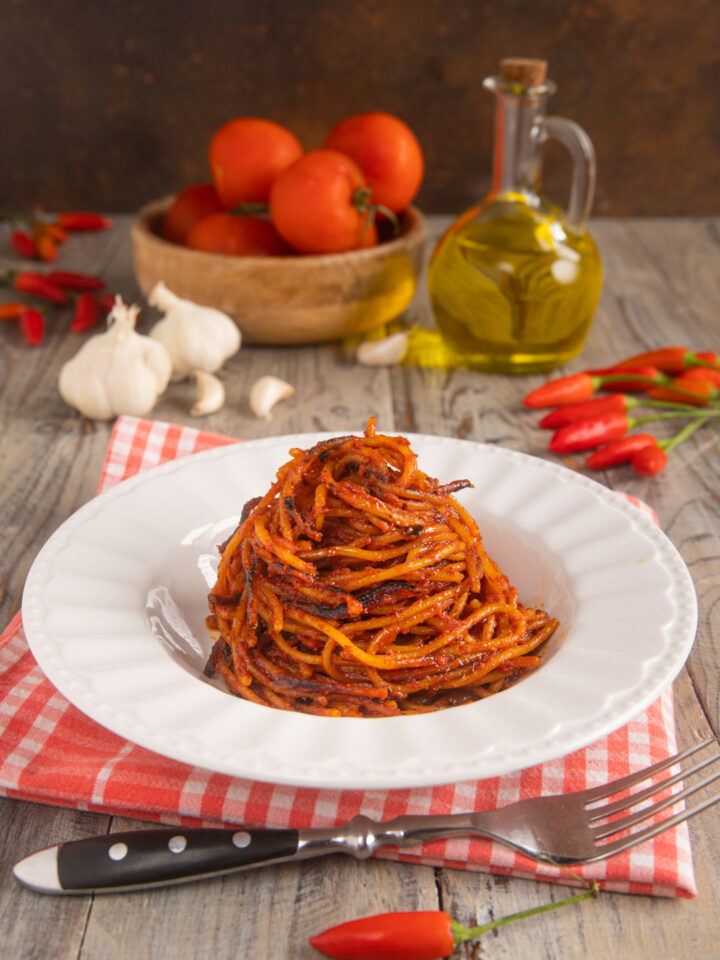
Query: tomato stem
x,y
249,209
362,201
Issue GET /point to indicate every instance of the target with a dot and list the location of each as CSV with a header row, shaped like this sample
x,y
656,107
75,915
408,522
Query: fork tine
x,y
623,783
608,809
610,849
624,822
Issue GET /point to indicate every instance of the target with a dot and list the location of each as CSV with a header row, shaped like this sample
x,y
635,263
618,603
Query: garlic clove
x,y
265,393
210,395
383,353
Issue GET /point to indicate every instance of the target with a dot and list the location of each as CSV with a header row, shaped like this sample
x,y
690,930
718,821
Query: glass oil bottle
x,y
514,282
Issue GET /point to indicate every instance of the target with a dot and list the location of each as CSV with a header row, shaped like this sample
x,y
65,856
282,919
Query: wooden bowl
x,y
285,300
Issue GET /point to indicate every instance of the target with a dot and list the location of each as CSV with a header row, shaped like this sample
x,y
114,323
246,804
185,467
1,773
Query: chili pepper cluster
x,y
673,382
39,239
58,287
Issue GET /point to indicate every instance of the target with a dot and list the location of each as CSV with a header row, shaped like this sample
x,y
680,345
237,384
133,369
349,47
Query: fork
x,y
565,829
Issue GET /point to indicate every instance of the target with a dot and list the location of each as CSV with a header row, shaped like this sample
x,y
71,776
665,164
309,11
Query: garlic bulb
x,y
210,394
383,353
196,337
265,393
119,371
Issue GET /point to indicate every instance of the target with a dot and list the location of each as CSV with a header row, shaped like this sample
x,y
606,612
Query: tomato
x,y
246,155
190,206
237,236
317,204
387,152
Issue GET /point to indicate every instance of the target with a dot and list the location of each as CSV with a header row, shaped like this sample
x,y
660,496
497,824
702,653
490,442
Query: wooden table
x,y
662,287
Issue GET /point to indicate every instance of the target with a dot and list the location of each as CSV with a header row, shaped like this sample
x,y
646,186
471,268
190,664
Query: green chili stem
x,y
687,431
699,415
694,361
633,402
461,934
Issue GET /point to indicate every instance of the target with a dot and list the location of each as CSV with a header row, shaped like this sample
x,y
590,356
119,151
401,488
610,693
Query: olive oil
x,y
513,291
515,282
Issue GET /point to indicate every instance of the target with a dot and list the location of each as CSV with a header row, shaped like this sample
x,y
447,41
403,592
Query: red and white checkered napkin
x,y
52,753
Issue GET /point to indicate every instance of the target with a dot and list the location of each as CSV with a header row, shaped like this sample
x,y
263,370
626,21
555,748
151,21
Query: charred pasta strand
x,y
358,586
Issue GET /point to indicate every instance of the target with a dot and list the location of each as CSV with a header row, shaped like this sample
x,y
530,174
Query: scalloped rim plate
x,y
624,597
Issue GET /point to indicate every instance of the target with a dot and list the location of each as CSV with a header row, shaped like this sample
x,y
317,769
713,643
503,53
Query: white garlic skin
x,y
116,372
195,337
210,394
266,392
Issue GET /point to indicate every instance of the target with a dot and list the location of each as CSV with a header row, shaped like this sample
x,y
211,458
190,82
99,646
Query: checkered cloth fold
x,y
52,753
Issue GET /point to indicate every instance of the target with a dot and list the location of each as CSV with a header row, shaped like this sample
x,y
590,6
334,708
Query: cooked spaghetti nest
x,y
358,586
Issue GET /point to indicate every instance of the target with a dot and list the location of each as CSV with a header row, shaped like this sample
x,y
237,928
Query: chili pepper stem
x,y
673,415
687,431
462,934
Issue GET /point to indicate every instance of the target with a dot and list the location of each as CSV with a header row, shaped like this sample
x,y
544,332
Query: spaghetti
x,y
359,586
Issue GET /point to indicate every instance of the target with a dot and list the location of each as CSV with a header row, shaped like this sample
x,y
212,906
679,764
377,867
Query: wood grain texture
x,y
662,286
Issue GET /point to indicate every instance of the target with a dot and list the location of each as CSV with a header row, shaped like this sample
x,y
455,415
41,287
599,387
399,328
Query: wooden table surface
x,y
662,287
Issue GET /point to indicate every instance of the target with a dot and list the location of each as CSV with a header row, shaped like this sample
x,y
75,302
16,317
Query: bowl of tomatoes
x,y
298,247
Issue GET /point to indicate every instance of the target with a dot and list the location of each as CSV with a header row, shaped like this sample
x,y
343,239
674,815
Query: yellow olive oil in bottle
x,y
514,283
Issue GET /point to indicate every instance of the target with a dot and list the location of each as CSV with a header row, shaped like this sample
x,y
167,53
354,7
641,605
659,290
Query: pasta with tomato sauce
x,y
359,586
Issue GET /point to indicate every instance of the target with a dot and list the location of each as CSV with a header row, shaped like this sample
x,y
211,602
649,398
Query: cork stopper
x,y
523,72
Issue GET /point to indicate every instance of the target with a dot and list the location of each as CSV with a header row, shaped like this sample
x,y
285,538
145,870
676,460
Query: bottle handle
x,y
582,152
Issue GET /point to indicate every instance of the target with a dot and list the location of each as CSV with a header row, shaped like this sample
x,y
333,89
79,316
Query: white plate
x,y
137,558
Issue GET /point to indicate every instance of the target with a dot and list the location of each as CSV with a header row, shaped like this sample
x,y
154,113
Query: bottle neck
x,y
517,156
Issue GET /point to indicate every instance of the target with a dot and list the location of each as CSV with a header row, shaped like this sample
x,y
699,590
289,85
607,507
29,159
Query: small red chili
x,y
696,393
32,325
416,935
12,311
700,373
23,244
649,461
86,314
638,378
81,221
36,283
45,246
74,281
564,390
561,416
673,360
57,233
585,434
619,451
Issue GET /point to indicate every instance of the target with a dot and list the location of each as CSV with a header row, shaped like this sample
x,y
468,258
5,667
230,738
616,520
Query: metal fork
x,y
567,828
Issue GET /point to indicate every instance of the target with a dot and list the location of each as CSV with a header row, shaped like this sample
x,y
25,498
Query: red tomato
x,y
190,206
246,155
315,206
237,236
387,152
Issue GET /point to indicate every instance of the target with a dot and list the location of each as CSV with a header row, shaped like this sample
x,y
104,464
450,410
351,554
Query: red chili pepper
x,y
57,233
564,390
672,360
74,281
619,451
32,325
86,314
23,244
561,416
649,461
45,246
586,434
36,283
700,373
12,311
416,935
640,378
697,393
81,221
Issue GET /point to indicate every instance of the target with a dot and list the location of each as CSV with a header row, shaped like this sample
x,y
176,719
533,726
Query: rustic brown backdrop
x,y
110,104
